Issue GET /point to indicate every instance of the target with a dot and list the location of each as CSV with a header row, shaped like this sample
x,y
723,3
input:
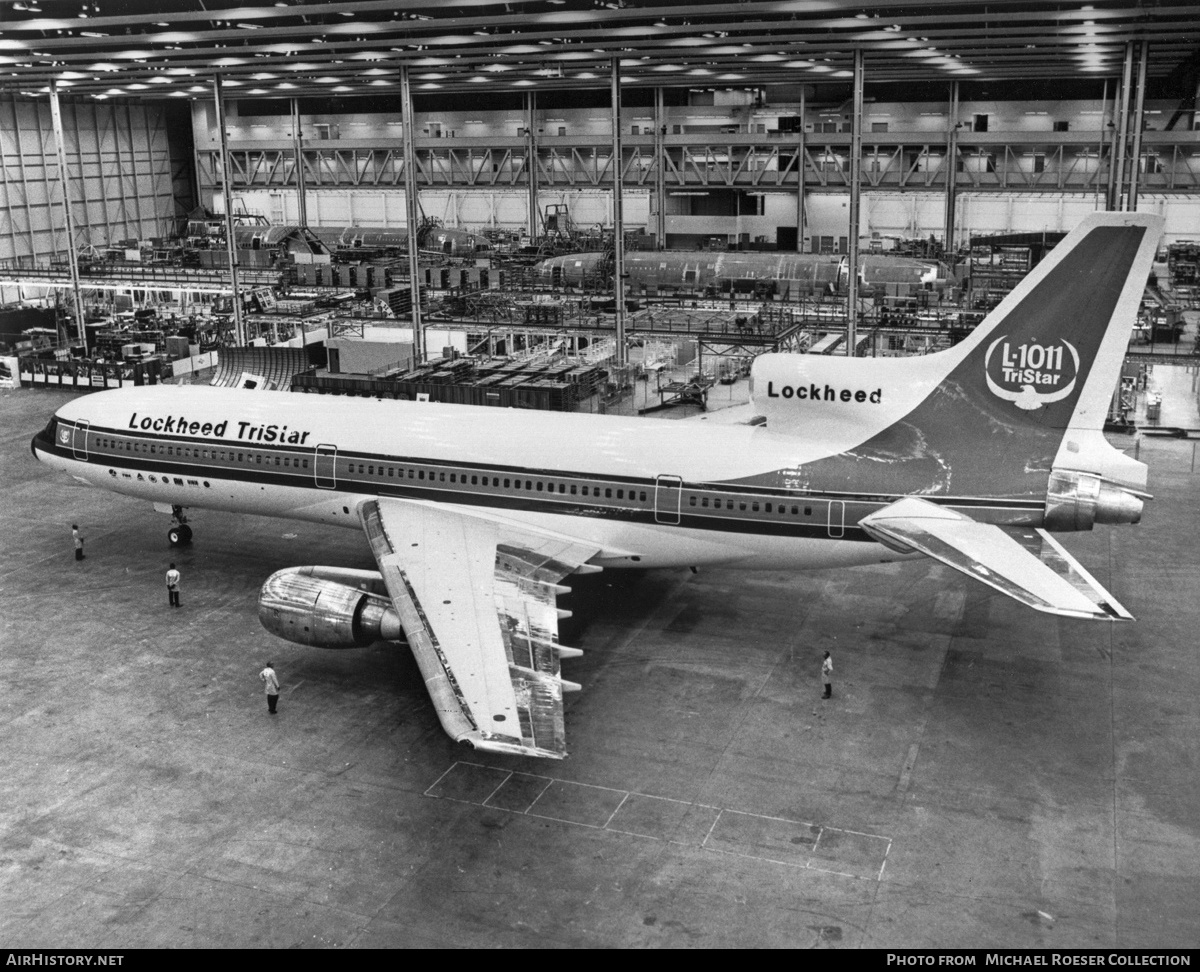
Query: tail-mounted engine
x,y
325,607
1077,500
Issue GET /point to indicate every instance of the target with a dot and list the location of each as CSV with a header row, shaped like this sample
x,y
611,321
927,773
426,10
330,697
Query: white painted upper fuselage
x,y
557,454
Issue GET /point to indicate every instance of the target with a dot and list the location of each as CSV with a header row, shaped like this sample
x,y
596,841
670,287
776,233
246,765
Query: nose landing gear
x,y
180,533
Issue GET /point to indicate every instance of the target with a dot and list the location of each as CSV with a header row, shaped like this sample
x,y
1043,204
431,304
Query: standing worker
x,y
827,676
173,586
78,538
272,684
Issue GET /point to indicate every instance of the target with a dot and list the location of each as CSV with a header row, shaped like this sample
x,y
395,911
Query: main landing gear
x,y
180,533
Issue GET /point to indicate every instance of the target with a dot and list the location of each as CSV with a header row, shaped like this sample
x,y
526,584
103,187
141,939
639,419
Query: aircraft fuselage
x,y
649,493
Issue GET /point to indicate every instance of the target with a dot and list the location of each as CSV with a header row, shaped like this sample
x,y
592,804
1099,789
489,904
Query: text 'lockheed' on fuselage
x,y
797,274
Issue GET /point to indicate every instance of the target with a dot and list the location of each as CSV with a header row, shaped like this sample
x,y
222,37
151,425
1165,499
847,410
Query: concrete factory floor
x,y
984,775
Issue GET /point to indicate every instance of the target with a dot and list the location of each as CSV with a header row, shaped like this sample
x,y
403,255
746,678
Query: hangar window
x,y
620,494
642,496
753,507
370,469
704,502
767,508
691,501
741,506
421,474
808,511
453,478
441,477
574,489
528,484
277,460
608,493
539,486
562,487
474,480
305,463
507,483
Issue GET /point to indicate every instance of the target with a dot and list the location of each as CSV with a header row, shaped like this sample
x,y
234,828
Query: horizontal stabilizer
x,y
1052,553
1046,578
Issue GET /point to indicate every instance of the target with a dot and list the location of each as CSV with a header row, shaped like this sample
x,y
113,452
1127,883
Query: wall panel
x,y
120,163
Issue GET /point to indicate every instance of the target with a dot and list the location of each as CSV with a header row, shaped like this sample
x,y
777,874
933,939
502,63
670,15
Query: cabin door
x,y
837,518
79,441
325,466
667,492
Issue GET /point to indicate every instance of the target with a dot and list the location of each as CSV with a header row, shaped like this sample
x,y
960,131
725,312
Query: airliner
x,y
972,456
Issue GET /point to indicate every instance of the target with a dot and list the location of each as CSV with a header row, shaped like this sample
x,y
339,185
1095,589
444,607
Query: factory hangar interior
x,y
982,776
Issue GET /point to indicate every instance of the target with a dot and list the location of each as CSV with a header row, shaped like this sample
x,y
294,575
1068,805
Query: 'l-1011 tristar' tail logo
x,y
1031,375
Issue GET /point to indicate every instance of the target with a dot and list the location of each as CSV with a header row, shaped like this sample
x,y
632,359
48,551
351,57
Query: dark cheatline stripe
x,y
765,524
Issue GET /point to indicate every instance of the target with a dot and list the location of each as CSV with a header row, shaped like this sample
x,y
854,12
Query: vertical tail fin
x,y
1027,392
1053,347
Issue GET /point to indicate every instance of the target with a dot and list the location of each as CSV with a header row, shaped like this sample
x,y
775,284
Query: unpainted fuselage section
x,y
794,274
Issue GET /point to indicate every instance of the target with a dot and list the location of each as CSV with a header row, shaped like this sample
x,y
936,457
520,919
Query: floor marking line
x,y
810,862
616,809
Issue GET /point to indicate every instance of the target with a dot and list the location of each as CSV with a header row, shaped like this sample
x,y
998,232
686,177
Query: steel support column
x,y
1118,197
951,169
298,153
72,254
660,170
855,200
1100,148
533,218
410,202
618,220
1139,114
239,332
800,150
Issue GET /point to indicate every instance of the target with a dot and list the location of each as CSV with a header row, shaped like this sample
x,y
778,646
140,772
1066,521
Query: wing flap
x,y
1049,580
477,601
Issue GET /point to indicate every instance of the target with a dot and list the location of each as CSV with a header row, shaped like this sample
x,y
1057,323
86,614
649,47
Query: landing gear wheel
x,y
179,535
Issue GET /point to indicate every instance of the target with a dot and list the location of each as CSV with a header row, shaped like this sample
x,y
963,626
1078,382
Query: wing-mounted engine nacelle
x,y
1077,500
325,607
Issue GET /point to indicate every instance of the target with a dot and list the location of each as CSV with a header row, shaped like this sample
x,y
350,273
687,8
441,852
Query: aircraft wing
x,y
477,600
1026,564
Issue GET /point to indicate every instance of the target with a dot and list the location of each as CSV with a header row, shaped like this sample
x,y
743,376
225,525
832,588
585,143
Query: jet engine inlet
x,y
1078,500
325,614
